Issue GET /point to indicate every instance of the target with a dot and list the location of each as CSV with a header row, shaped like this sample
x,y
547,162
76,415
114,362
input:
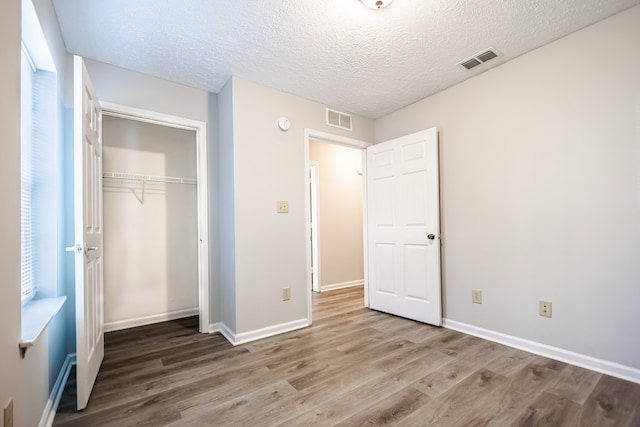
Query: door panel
x,y
403,212
88,233
385,268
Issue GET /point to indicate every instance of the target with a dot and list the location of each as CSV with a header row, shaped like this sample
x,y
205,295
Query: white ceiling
x,y
337,52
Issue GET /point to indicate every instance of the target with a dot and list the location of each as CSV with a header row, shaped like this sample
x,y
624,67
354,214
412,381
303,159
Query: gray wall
x,y
268,165
226,211
540,160
28,381
12,366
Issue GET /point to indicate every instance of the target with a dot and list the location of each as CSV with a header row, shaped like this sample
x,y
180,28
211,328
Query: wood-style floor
x,y
353,367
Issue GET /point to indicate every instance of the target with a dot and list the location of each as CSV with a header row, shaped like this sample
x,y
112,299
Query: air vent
x,y
471,63
339,119
479,58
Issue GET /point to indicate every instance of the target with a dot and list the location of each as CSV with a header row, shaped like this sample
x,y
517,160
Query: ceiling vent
x,y
338,119
479,58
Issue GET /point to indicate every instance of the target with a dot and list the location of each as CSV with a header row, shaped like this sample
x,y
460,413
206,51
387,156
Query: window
x,y
26,184
40,183
38,163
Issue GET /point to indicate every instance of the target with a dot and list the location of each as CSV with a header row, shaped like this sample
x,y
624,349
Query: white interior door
x,y
87,128
403,227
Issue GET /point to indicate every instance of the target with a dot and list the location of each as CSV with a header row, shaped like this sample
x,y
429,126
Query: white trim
x,y
599,365
334,286
365,228
314,206
269,331
150,320
49,413
131,113
335,139
226,332
147,116
215,327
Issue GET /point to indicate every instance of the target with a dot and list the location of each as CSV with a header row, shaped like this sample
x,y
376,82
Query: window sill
x,y
36,315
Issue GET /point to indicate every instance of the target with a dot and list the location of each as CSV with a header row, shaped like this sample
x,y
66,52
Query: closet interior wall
x,y
150,224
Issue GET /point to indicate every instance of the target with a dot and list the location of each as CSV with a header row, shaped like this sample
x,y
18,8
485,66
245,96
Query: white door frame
x,y
202,175
318,135
314,202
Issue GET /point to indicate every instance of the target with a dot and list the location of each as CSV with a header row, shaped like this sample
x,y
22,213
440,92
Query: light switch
x,y
283,206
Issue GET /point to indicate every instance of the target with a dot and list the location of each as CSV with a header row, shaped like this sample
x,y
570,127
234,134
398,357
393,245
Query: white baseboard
x,y
333,287
599,365
245,337
215,327
149,320
226,332
49,413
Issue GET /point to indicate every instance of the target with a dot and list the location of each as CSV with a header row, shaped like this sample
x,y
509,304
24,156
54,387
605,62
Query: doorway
x,y
336,216
328,264
155,180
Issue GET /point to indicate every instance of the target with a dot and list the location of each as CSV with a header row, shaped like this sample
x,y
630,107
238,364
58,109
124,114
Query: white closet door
x,y
87,124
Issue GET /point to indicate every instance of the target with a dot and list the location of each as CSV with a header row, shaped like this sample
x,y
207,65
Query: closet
x,y
150,223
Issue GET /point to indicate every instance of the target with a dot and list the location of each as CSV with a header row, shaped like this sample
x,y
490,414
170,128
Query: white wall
x,y
540,189
150,237
269,165
340,213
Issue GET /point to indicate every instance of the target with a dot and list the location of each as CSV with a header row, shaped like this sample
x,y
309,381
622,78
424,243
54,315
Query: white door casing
x,y
403,221
313,215
312,134
87,128
202,172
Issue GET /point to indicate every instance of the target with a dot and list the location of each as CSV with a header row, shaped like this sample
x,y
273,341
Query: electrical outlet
x,y
476,296
544,308
283,206
286,294
8,414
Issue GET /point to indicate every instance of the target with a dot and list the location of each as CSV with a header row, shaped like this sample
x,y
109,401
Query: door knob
x,y
431,236
77,249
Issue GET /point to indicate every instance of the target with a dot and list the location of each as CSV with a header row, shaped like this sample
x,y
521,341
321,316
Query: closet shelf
x,y
148,178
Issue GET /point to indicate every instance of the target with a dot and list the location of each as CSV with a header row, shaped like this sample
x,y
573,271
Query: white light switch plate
x,y
283,206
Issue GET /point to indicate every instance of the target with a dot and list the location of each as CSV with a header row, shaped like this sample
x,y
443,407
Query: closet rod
x,y
149,178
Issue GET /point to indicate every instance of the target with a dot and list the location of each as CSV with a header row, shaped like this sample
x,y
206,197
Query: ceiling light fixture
x,y
376,4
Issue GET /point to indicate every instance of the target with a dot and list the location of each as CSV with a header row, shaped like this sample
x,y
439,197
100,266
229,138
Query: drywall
x,y
124,87
226,203
269,165
150,233
214,214
339,213
12,366
28,381
540,160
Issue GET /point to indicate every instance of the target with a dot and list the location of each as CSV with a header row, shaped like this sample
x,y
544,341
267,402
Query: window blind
x,y
27,258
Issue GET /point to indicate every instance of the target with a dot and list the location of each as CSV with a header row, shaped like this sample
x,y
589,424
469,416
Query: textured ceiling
x,y
337,52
